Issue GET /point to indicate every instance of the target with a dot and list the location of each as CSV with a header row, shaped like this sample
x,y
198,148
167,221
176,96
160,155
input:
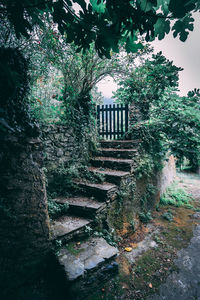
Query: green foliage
x,y
179,120
73,249
132,225
168,215
15,114
161,119
88,230
109,236
45,98
55,210
152,148
60,180
146,83
182,27
143,89
147,197
175,196
107,23
145,217
121,195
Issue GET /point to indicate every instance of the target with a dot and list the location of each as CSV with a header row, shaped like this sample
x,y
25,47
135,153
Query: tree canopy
x,y
162,119
107,23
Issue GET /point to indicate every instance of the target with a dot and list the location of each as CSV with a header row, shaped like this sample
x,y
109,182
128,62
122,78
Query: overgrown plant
x,y
109,236
145,217
55,210
143,89
168,215
175,196
146,199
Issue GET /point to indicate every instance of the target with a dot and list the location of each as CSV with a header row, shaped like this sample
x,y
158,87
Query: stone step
x,y
112,163
112,176
100,191
69,227
82,206
85,265
117,153
119,144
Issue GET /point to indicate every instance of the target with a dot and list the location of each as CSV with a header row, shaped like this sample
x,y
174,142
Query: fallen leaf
x,y
128,249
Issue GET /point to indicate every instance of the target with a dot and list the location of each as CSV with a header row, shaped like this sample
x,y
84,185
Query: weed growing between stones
x,y
145,217
55,210
61,180
88,230
74,249
109,236
168,215
132,225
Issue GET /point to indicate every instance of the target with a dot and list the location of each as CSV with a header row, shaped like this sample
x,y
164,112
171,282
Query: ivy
x,y
15,116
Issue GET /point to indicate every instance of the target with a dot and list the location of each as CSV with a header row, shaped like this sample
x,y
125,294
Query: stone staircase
x,y
87,211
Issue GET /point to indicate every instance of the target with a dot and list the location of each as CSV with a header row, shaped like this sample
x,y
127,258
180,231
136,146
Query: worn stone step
x,y
82,206
112,176
100,191
119,144
117,153
112,163
85,265
69,227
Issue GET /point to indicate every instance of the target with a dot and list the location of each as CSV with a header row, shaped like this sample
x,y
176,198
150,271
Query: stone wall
x,y
167,175
24,225
139,195
58,143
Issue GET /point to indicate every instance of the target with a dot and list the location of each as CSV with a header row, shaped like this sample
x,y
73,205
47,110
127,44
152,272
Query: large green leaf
x,y
147,5
132,46
162,27
182,28
97,6
164,5
196,2
180,8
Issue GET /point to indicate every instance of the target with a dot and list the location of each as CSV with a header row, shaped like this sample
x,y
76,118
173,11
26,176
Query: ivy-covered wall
x,y
138,196
24,225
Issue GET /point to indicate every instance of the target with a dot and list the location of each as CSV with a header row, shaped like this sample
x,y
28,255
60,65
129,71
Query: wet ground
x,y
161,260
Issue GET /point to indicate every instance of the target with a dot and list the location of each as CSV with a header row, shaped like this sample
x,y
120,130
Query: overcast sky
x,y
185,55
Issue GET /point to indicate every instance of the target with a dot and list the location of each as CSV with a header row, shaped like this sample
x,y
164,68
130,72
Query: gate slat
x,y
98,118
118,120
122,119
106,121
103,120
112,120
126,117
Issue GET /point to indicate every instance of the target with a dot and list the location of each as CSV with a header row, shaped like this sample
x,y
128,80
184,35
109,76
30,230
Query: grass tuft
x,y
176,197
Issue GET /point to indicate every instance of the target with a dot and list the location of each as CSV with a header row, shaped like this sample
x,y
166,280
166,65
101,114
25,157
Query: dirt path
x,y
164,261
185,283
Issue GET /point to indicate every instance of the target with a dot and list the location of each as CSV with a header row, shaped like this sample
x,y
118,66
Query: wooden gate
x,y
112,120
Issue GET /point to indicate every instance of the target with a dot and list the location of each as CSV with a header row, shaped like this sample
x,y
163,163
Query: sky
x,y
185,55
